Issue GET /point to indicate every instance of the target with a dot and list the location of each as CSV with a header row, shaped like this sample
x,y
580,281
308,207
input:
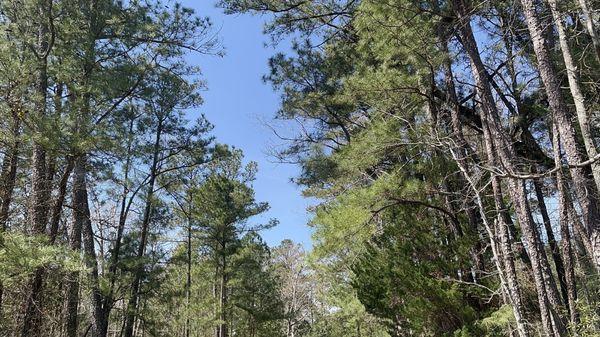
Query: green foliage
x,y
254,288
168,310
589,320
21,255
399,245
385,243
498,321
396,278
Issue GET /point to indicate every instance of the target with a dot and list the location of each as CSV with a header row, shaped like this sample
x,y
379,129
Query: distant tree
x,y
296,289
255,289
223,205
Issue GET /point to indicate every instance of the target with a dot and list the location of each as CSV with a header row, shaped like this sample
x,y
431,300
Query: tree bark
x,y
136,283
9,173
126,202
8,177
223,331
81,217
188,283
38,210
563,210
60,200
72,279
589,26
464,152
576,92
554,249
498,143
587,193
501,245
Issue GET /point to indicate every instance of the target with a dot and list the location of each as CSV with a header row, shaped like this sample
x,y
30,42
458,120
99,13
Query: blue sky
x,y
238,104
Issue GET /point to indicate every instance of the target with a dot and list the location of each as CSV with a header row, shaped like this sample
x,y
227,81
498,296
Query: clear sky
x,y
238,103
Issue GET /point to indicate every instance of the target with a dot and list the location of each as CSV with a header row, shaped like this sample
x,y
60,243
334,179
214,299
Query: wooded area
x,y
452,147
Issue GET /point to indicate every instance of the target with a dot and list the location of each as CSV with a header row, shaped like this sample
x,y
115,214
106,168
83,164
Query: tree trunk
x,y
8,177
576,92
136,283
464,151
589,26
38,210
72,279
81,216
223,332
563,210
498,143
60,200
217,296
558,262
9,173
587,192
188,283
126,202
501,250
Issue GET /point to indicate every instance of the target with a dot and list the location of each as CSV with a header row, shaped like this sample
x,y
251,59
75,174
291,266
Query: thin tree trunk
x,y
556,256
576,92
223,332
464,151
57,206
503,257
506,252
563,209
188,283
60,200
38,210
72,279
587,193
579,229
497,143
126,202
589,26
136,283
8,177
217,296
81,216
38,207
502,221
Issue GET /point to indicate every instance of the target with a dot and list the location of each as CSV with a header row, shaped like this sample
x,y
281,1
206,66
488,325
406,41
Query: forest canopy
x,y
451,149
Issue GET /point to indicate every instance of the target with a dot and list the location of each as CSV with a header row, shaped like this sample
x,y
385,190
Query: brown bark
x,y
188,283
126,201
589,26
576,92
223,330
60,200
563,209
9,173
587,193
8,177
33,314
72,280
554,249
38,208
81,217
144,231
497,143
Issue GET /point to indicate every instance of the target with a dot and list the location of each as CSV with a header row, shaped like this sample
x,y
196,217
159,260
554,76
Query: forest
x,y
450,146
